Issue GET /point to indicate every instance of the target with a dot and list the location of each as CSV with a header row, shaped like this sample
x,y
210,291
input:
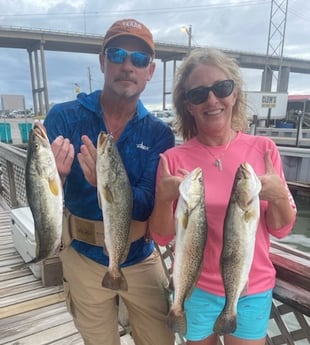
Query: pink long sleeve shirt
x,y
218,185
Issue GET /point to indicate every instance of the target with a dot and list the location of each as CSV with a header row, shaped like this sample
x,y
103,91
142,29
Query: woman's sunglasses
x,y
119,55
200,94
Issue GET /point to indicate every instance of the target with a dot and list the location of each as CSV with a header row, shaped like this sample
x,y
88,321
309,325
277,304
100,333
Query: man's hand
x,y
87,158
63,151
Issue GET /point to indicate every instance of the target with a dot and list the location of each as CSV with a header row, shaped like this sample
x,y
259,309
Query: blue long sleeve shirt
x,y
139,145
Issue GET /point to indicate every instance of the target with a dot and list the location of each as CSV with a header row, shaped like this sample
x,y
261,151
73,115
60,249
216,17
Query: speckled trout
x,y
191,235
44,193
116,200
239,235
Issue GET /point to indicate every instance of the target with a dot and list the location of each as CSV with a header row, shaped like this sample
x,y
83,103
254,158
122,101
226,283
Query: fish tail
x,y
114,281
226,323
176,322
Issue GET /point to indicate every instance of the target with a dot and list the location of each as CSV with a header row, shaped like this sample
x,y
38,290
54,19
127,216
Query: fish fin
x,y
171,285
107,194
226,323
105,251
125,253
111,281
99,200
244,290
185,219
53,186
176,322
248,215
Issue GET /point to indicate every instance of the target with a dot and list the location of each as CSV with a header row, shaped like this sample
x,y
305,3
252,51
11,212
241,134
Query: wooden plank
x,y
74,339
46,336
20,326
293,296
11,262
29,295
31,305
291,268
7,273
18,281
20,289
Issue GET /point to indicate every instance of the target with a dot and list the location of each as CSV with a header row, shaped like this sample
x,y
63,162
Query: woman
x,y
210,110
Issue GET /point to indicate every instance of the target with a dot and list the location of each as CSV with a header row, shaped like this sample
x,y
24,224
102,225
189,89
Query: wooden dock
x,y
31,314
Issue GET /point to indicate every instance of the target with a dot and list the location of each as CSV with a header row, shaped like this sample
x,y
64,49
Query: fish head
x,y
246,185
192,185
108,158
105,145
38,140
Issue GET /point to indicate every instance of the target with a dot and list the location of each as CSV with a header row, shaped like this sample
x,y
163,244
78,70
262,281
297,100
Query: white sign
x,y
259,103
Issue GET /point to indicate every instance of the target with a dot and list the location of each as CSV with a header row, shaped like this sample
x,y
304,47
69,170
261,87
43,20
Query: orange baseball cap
x,y
129,27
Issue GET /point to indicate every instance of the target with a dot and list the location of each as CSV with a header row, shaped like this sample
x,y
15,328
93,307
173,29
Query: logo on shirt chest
x,y
143,147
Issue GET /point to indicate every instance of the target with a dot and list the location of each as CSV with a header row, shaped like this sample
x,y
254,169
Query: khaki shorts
x,y
94,309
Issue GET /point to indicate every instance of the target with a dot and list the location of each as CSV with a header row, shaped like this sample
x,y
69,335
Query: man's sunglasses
x,y
119,55
200,94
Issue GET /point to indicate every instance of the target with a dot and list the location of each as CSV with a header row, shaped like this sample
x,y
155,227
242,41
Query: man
x,y
127,62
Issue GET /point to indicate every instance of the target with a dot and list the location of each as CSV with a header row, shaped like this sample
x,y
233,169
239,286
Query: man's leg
x,y
92,307
147,302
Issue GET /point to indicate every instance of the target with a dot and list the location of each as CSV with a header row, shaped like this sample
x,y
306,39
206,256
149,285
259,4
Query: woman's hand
x,y
273,188
281,210
168,187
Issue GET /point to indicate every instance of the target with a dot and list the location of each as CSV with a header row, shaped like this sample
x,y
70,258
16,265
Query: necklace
x,y
117,129
218,160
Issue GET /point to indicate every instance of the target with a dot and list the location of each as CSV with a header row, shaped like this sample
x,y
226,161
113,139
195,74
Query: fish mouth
x,y
197,172
246,170
40,131
103,139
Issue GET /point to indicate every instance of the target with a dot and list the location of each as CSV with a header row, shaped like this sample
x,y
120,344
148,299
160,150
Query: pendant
x,y
218,163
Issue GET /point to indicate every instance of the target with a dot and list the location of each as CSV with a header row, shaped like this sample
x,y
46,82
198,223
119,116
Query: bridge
x,y
37,41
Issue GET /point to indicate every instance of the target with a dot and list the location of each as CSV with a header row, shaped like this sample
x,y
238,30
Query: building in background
x,y
9,103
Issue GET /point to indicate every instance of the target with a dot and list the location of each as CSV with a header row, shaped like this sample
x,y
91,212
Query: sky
x,y
227,24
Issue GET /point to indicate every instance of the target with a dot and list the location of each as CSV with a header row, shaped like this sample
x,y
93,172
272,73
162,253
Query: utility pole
x,y
188,31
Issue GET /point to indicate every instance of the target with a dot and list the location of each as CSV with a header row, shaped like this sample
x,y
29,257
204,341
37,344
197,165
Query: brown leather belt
x,y
89,231
92,231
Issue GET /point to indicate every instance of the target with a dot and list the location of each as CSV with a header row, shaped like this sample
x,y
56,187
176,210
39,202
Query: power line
x,y
147,11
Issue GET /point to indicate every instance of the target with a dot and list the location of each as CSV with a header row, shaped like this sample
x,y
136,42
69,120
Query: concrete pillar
x,y
283,78
33,85
165,84
38,89
266,80
43,69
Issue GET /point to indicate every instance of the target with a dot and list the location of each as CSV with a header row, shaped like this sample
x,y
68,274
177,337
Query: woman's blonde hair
x,y
185,123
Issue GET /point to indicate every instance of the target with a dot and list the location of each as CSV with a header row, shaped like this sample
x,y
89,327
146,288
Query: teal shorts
x,y
203,308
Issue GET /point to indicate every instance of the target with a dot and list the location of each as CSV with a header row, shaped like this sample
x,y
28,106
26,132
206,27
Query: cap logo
x,y
132,24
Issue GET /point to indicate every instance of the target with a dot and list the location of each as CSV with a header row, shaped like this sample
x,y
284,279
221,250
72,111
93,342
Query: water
x,y
299,238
